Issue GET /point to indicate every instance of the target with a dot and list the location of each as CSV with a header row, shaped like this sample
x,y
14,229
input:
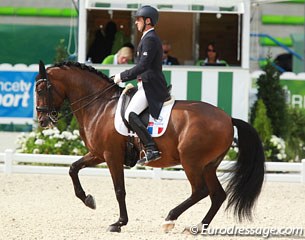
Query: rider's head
x,y
149,15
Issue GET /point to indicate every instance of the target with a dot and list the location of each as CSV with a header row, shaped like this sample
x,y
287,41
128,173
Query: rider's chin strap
x,y
144,26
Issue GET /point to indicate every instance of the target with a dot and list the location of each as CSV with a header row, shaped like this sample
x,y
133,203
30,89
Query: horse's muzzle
x,y
44,121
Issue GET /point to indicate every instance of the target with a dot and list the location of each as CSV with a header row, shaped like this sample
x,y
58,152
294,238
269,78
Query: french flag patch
x,y
154,128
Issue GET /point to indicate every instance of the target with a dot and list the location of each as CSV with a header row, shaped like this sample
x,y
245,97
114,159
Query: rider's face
x,y
139,23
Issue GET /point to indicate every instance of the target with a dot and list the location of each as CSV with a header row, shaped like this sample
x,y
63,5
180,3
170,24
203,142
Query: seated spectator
x,y
123,56
211,57
167,59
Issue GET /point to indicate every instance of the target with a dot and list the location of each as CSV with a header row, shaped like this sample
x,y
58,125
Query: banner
x,y
17,96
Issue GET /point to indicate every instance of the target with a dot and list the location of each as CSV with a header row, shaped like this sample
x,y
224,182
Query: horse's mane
x,y
83,67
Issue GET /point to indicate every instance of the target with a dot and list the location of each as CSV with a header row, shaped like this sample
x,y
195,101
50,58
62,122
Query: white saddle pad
x,y
156,127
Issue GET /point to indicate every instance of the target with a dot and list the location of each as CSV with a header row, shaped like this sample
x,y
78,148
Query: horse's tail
x,y
247,177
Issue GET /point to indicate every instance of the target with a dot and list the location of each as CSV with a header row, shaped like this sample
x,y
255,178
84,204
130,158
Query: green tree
x,y
296,138
274,98
262,123
61,55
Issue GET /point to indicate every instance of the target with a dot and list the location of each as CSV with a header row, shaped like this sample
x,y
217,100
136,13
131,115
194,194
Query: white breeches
x,y
138,103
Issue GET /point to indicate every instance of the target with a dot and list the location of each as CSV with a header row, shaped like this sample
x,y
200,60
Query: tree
x,y
273,96
61,55
262,123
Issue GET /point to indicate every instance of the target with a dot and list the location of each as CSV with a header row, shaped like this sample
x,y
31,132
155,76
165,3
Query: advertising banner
x,y
17,96
295,90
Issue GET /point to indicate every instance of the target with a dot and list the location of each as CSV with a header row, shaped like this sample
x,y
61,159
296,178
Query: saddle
x,y
132,152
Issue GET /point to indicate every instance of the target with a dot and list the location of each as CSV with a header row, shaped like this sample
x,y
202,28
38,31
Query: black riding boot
x,y
152,153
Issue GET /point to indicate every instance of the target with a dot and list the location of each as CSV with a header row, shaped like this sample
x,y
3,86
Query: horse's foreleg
x,y
87,160
117,174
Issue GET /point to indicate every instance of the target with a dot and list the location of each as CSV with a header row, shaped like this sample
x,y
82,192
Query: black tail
x,y
247,178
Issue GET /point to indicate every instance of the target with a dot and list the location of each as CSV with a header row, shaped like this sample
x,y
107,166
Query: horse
x,y
198,136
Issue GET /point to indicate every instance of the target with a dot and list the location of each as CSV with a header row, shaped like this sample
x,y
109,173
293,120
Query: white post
x,y
157,173
303,171
8,161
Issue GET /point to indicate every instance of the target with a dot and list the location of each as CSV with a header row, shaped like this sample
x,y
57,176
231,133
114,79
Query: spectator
x,y
211,57
167,59
102,44
123,56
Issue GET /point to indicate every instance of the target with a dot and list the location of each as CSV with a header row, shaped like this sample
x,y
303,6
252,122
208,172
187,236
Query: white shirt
x,y
147,32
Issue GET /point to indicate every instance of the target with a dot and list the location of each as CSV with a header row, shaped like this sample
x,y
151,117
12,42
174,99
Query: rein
x,y
96,96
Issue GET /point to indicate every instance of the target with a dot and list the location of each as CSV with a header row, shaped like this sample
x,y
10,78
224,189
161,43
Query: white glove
x,y
117,78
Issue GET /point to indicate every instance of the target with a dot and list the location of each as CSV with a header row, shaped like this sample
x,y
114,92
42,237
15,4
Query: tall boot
x,y
152,153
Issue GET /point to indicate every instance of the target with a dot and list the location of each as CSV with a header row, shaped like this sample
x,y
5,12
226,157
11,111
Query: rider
x,y
152,88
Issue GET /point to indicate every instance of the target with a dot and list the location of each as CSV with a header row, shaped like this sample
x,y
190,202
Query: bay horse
x,y
198,137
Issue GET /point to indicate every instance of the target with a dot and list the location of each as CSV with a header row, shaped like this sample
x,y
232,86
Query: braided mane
x,y
83,67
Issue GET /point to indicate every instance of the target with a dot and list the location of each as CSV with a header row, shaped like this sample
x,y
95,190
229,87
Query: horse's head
x,y
47,106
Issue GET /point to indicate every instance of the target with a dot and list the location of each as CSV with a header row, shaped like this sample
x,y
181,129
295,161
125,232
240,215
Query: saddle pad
x,y
156,127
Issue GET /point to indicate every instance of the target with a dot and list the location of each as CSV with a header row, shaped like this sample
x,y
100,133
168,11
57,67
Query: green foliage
x,y
52,141
232,153
262,123
296,137
61,53
273,96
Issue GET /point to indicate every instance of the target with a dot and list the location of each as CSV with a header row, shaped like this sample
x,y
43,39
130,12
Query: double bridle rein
x,y
50,110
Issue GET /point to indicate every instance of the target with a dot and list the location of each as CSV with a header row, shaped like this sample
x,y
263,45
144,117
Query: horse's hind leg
x,y
87,160
199,191
217,194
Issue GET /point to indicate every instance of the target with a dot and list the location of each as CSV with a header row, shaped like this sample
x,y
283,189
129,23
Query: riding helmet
x,y
148,12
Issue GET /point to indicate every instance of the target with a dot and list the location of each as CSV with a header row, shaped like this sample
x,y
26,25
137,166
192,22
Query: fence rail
x,y
10,162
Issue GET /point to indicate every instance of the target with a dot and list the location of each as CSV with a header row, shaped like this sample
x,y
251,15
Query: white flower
x,y
57,135
76,132
32,134
36,151
58,144
75,151
39,141
67,135
47,132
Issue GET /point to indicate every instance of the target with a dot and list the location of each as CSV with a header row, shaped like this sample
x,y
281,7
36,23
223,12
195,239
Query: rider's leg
x,y
137,104
152,152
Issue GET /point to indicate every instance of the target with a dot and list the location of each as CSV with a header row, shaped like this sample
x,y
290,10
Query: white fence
x,y
10,163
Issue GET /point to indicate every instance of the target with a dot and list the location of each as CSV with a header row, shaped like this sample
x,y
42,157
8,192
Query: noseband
x,y
49,109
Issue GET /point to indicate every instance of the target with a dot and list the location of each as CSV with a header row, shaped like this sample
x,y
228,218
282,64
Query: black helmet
x,y
148,12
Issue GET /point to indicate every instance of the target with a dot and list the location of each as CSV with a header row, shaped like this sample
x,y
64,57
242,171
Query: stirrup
x,y
149,156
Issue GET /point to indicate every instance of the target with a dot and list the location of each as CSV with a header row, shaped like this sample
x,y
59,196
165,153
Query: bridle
x,y
50,110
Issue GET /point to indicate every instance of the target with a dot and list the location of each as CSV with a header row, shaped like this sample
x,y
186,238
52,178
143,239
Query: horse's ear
x,y
42,70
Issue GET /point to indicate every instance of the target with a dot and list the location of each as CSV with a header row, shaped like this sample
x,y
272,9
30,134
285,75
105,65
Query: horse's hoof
x,y
168,225
90,202
114,228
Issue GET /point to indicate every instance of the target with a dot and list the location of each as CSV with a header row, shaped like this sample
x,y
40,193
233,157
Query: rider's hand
x,y
117,78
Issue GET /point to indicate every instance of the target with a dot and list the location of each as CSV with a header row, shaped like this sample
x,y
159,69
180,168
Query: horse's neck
x,y
89,95
83,86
